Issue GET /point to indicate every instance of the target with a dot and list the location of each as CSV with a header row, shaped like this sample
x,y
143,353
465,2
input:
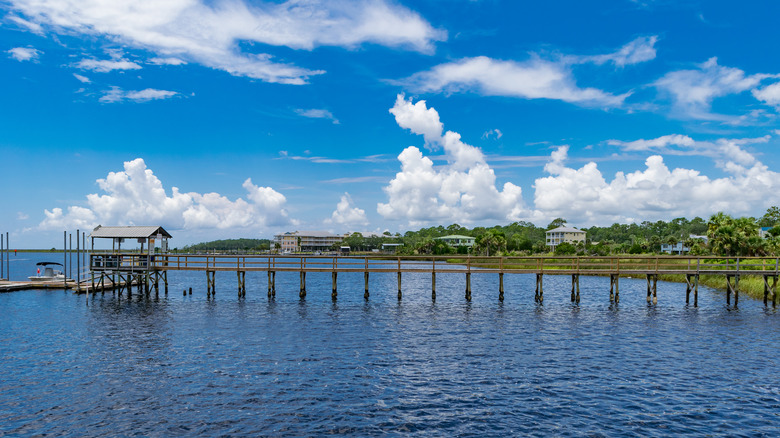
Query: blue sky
x,y
220,119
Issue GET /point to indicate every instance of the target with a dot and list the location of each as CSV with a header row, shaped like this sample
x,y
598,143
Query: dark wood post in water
x,y
732,288
433,280
770,289
614,288
575,288
241,284
399,279
500,286
334,293
468,286
365,278
399,285
302,293
652,288
539,293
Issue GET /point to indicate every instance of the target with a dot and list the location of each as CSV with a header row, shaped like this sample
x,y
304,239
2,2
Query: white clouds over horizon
x,y
584,196
209,32
463,190
135,196
347,214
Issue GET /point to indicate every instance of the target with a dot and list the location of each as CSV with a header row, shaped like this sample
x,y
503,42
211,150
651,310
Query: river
x,y
181,365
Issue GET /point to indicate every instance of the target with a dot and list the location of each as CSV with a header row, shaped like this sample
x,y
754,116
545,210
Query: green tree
x,y
557,222
771,218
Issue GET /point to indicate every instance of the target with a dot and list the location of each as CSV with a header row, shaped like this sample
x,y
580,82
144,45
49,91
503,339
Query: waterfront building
x,y
680,248
559,235
456,240
297,241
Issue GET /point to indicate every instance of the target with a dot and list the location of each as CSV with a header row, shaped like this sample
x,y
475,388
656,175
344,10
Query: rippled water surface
x,y
185,365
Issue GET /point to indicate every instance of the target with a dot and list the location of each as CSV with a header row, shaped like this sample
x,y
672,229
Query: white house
x,y
559,235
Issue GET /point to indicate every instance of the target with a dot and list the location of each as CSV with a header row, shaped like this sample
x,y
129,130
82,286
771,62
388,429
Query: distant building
x,y
560,235
680,248
763,232
297,241
456,240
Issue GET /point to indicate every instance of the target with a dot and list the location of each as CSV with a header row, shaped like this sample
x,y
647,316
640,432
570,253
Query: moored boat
x,y
49,273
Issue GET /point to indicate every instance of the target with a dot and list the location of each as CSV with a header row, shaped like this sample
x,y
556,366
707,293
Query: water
x,y
185,365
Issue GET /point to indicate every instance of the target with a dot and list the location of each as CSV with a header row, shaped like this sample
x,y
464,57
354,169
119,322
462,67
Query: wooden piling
x,y
365,281
302,293
614,288
334,289
770,289
433,285
500,286
539,293
468,286
399,285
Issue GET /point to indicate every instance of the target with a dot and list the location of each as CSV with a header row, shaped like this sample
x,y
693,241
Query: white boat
x,y
49,273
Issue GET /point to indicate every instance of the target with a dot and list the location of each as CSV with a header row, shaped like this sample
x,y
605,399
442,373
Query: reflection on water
x,y
185,365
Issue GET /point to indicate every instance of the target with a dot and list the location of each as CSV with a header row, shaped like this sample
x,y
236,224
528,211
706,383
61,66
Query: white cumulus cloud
x,y
639,50
347,214
210,32
533,79
693,91
585,196
317,114
769,94
106,65
24,53
135,196
116,94
464,190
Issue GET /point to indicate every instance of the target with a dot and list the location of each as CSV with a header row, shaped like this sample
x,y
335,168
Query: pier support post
x,y
500,286
575,288
652,288
732,288
433,286
211,286
165,281
770,289
365,281
614,288
241,284
302,293
334,289
468,286
539,293
399,285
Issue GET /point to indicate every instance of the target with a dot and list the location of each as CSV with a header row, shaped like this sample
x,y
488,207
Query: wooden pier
x,y
149,270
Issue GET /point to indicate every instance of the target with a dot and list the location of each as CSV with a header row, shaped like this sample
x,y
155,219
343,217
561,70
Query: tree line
x,y
720,235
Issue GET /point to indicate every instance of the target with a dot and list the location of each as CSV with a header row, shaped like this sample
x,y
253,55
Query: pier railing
x,y
622,265
127,268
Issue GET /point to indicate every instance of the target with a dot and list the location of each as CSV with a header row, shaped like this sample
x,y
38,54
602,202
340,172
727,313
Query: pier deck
x,y
155,267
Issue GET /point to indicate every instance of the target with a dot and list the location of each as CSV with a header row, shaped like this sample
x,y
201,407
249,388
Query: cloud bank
x,y
214,33
464,189
135,196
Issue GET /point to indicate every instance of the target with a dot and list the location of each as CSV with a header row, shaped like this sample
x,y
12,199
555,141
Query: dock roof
x,y
144,232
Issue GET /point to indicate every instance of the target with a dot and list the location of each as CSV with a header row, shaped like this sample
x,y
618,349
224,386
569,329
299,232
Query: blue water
x,y
186,365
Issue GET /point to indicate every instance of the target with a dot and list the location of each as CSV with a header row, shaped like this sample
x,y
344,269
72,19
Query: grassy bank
x,y
750,285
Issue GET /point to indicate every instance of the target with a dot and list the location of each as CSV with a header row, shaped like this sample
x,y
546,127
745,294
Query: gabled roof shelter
x,y
143,234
